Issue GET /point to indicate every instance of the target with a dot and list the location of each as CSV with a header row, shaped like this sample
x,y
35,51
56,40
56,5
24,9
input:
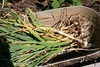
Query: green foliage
x,y
57,3
61,1
35,21
76,3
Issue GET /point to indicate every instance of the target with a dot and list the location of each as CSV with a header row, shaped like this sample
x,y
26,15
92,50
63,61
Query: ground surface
x,y
39,5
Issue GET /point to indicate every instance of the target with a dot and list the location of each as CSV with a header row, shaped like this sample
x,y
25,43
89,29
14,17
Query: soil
x,y
94,5
40,5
